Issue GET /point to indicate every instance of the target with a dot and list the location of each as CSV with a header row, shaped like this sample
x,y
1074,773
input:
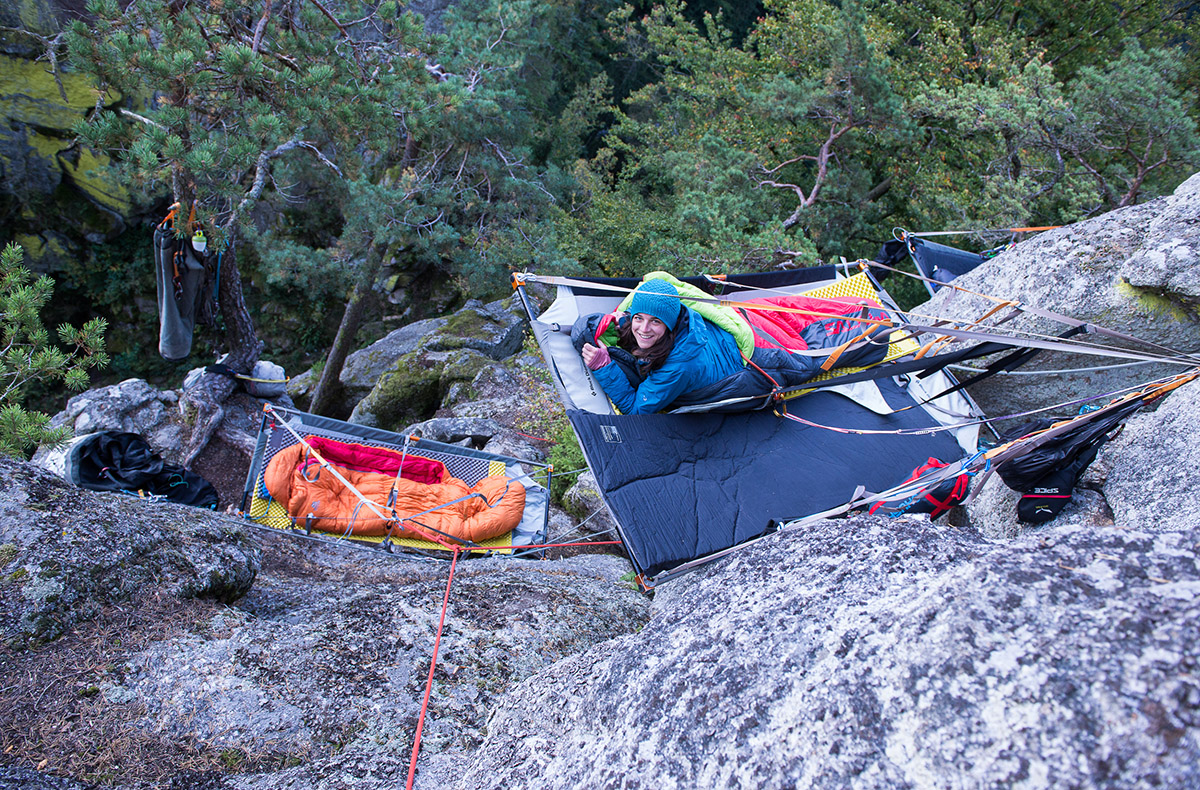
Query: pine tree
x,y
414,140
27,355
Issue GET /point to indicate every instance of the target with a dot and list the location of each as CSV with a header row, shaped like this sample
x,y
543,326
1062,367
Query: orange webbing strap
x,y
936,343
832,359
996,309
925,349
943,340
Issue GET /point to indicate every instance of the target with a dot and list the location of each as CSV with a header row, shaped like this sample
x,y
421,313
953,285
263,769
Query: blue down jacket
x,y
703,355
706,367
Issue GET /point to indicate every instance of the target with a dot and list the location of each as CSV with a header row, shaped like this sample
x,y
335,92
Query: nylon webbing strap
x,y
1074,348
1041,313
1005,363
977,232
1018,447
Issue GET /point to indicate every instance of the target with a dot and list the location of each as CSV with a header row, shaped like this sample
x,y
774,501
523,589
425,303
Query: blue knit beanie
x,y
657,298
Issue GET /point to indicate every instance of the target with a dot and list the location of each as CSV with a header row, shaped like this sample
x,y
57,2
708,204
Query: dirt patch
x,y
225,467
55,716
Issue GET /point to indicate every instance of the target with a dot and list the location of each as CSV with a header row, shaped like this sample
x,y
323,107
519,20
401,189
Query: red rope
x,y
535,438
412,766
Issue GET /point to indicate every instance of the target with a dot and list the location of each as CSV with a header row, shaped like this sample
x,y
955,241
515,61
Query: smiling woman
x,y
671,345
673,349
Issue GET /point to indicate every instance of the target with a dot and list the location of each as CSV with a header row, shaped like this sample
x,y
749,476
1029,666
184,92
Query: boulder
x,y
471,432
415,386
1152,469
1133,270
496,329
66,552
878,653
354,639
406,375
135,406
1168,260
583,501
44,17
316,678
364,367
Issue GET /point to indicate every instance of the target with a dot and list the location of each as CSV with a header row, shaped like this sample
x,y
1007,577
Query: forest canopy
x,y
332,149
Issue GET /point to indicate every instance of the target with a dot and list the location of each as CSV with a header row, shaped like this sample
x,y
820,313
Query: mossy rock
x,y
95,177
490,329
463,366
406,393
29,94
1155,302
47,147
38,16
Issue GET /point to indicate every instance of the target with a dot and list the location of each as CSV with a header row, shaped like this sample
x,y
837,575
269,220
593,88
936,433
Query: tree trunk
x,y
206,395
241,339
329,386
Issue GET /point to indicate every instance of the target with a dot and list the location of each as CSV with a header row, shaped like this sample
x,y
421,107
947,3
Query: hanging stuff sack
x,y
1046,477
181,285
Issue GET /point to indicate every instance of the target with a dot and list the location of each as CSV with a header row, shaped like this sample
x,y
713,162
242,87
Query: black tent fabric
x,y
942,263
121,461
685,485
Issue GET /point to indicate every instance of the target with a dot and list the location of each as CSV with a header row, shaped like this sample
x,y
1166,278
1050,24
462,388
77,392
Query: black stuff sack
x,y
1046,476
122,461
1048,496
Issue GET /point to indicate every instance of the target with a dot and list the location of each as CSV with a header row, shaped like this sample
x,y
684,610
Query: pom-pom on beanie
x,y
657,298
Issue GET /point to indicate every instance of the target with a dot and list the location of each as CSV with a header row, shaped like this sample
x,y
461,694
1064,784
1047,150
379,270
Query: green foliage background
x,y
601,137
28,357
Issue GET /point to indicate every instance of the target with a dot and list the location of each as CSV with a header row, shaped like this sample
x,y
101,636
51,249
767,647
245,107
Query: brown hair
x,y
657,354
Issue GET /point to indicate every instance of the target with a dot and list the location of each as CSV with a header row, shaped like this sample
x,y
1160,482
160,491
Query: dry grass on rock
x,y
55,715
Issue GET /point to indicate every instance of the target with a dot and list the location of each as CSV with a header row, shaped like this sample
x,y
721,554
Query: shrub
x,y
27,356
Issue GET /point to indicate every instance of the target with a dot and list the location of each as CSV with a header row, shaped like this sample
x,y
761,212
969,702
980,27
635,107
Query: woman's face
x,y
647,330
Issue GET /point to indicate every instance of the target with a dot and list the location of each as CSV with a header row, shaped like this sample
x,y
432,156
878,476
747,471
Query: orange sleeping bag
x,y
315,497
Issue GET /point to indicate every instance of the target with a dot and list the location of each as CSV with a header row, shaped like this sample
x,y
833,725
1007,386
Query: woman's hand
x,y
595,358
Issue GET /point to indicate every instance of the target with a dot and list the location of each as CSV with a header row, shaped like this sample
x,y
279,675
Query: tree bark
x,y
241,339
329,386
206,395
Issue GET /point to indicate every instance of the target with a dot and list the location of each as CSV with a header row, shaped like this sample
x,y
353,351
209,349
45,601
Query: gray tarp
x,y
180,276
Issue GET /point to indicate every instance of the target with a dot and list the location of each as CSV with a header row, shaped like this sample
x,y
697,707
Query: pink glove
x,y
595,358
